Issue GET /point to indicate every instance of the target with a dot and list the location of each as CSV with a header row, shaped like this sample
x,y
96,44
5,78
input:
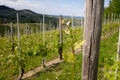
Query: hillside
x,y
8,14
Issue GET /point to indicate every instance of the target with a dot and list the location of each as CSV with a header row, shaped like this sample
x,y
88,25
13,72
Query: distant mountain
x,y
8,14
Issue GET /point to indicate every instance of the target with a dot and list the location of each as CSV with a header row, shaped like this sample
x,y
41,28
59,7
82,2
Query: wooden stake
x,y
12,37
72,21
40,27
118,50
18,35
26,29
60,38
21,70
50,34
92,35
43,28
112,18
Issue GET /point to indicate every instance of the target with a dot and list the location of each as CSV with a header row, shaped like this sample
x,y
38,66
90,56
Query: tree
x,y
92,34
113,7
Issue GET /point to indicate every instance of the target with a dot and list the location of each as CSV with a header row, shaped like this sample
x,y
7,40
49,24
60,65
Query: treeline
x,y
113,7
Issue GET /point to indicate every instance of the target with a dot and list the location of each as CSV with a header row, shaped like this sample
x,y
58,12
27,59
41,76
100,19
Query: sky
x,y
52,7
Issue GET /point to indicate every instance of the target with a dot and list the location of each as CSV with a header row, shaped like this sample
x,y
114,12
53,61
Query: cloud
x,y
13,0
19,4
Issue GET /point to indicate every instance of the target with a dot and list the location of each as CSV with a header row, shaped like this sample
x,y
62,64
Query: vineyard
x,y
55,40
37,48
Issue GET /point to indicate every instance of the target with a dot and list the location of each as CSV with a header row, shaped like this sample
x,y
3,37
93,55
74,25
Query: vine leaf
x,y
67,31
78,44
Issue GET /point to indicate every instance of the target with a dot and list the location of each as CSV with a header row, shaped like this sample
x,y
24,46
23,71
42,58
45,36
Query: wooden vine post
x,y
117,56
60,38
12,37
26,31
43,28
50,35
21,70
72,21
44,42
40,27
118,50
92,35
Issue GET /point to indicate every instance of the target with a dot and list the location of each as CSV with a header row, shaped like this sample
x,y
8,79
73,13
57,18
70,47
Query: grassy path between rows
x,y
54,61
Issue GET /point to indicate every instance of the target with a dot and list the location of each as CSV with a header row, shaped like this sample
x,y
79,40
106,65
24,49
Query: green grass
x,y
31,51
107,58
63,71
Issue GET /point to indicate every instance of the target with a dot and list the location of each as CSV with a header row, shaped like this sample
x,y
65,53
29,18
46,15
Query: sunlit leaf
x,y
67,31
78,44
68,23
63,21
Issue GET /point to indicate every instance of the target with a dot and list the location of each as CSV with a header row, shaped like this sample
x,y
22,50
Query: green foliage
x,y
110,71
107,64
61,71
107,59
69,57
33,50
78,44
113,7
109,27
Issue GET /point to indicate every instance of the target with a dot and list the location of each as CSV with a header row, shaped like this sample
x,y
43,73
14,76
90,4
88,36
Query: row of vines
x,y
36,47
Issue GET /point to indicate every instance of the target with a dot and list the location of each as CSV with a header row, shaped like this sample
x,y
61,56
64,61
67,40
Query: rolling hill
x,y
8,14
